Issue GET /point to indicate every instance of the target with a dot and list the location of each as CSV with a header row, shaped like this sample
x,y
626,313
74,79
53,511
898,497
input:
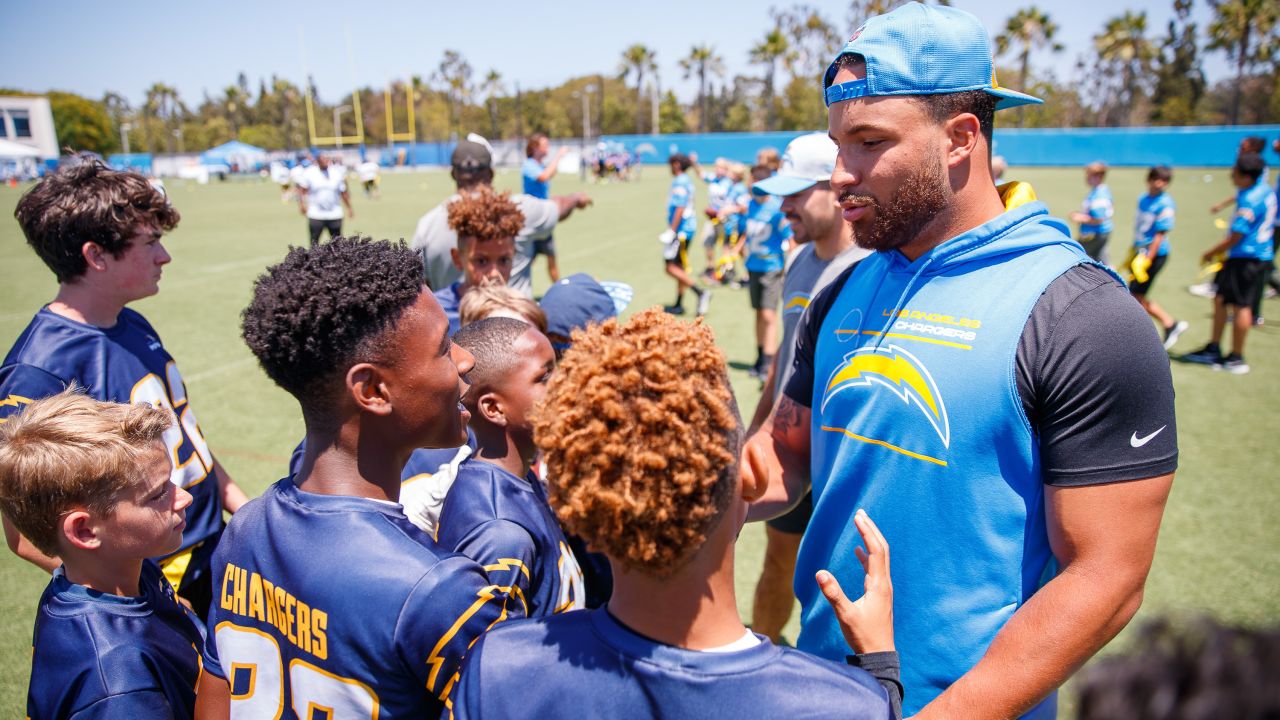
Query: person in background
x,y
536,174
1094,215
681,227
486,223
1151,249
322,193
368,171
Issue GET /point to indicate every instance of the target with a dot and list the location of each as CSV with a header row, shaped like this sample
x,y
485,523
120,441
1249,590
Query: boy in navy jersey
x,y
496,512
327,596
88,481
99,231
641,436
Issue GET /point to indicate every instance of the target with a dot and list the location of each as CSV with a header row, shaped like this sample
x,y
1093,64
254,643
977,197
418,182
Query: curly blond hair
x,y
485,214
640,433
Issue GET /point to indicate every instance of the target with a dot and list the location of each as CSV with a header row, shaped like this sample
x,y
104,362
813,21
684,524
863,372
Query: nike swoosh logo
x,y
1138,442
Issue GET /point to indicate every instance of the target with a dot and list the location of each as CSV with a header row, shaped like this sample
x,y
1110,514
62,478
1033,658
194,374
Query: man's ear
x,y
79,529
964,134
368,389
492,408
94,255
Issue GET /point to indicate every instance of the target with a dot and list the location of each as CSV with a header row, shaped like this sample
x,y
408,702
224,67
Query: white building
x,y
29,121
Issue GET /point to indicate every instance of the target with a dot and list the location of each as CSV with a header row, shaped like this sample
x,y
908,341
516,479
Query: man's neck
x,y
494,445
695,608
966,212
77,301
352,462
102,574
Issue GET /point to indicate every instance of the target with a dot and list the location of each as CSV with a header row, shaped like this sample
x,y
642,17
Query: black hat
x,y
470,155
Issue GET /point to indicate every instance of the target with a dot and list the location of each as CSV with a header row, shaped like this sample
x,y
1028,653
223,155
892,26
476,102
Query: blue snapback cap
x,y
578,300
922,50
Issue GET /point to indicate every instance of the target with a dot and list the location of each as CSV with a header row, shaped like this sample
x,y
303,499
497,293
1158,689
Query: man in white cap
x,y
990,395
826,249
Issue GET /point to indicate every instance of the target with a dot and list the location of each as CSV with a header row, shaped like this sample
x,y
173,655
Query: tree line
x,y
1134,74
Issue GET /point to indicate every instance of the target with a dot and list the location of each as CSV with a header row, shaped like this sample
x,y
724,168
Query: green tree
x,y
636,61
1246,31
493,89
454,77
701,62
1027,30
1180,80
671,117
82,123
769,52
1126,56
812,39
264,136
164,105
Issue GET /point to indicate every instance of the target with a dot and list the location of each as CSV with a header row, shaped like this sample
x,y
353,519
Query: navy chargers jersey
x,y
332,601
586,664
124,363
504,523
106,656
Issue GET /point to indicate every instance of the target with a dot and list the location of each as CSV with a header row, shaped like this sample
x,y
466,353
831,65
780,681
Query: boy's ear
x,y
456,257
80,531
94,255
368,389
492,409
753,474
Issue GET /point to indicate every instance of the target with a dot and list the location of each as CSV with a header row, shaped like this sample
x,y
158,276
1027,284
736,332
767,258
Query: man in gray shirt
x,y
825,249
472,167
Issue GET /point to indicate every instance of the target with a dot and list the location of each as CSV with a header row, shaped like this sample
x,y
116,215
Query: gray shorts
x,y
765,289
545,247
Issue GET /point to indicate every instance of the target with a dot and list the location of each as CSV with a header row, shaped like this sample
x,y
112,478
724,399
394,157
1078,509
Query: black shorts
x,y
1240,279
1095,245
545,247
317,227
765,289
1142,288
796,520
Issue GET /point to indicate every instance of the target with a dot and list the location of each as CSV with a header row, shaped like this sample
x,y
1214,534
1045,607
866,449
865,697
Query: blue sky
x,y
91,47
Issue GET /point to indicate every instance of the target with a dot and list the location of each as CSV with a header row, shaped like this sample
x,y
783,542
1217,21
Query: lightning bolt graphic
x,y
490,592
504,564
900,372
13,401
799,301
896,369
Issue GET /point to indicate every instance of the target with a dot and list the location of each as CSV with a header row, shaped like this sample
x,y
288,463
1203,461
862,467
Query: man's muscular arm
x,y
779,451
1104,537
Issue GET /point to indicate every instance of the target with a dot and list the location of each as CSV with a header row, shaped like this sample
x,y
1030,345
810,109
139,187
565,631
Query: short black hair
x,y
980,103
491,341
680,159
1160,172
1251,165
86,201
325,308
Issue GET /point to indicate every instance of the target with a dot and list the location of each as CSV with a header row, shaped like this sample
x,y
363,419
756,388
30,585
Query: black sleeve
x,y
887,670
800,385
1095,383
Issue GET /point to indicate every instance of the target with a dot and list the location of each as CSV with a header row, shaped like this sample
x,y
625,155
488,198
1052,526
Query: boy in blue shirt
x,y
641,435
1095,213
764,243
681,226
327,595
496,512
713,230
536,174
487,223
1151,249
1249,250
88,482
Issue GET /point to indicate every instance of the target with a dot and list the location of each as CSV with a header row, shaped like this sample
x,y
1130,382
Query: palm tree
x,y
769,52
702,60
1030,29
162,101
492,88
1123,44
454,76
637,60
1246,30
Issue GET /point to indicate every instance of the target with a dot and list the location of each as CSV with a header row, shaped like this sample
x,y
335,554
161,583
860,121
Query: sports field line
x,y
210,272
219,369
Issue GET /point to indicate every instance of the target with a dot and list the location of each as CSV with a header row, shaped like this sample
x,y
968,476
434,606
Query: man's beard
x,y
919,199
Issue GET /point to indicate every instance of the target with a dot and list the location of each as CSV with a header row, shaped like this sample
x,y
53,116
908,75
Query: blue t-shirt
x,y
767,232
717,190
504,523
1155,215
123,363
587,664
1255,220
680,200
341,602
97,655
450,299
1098,206
532,185
738,196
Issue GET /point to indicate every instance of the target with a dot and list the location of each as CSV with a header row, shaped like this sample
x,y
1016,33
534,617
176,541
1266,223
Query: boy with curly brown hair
x,y
487,223
641,434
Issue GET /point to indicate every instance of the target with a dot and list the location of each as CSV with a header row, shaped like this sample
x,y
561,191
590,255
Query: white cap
x,y
808,159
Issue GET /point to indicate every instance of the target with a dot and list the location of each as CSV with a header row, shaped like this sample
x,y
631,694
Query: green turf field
x,y
1217,551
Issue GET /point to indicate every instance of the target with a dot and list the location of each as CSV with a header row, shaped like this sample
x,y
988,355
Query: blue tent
x,y
235,154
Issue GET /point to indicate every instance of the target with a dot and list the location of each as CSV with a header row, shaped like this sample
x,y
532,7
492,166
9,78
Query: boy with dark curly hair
x,y
496,512
323,574
487,223
99,231
641,434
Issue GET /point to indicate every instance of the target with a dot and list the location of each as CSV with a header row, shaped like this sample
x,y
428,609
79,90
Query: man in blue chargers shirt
x,y
1017,455
1249,251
